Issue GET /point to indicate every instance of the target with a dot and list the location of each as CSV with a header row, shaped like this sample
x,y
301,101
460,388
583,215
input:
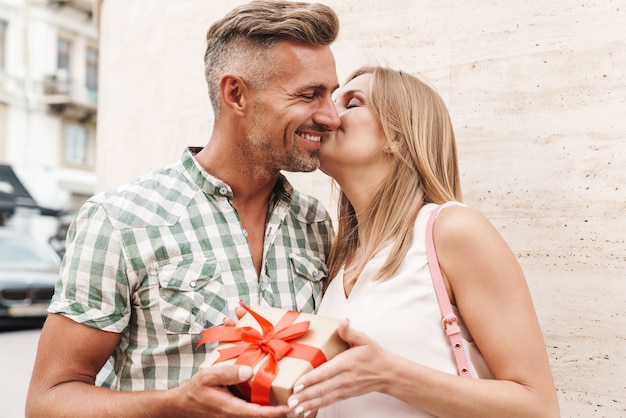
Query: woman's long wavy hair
x,y
417,127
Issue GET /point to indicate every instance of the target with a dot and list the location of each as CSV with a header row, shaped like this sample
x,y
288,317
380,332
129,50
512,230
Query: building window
x,y
64,49
3,43
77,148
92,73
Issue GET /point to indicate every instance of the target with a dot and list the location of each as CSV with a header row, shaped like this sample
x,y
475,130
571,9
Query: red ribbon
x,y
250,347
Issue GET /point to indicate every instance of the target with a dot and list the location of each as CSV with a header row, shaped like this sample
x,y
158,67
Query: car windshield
x,y
18,252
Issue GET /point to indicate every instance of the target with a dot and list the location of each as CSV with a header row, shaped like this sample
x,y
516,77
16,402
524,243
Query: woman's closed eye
x,y
351,99
353,103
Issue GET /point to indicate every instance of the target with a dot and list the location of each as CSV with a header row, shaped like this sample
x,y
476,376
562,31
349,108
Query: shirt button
x,y
192,284
245,233
263,286
223,191
315,273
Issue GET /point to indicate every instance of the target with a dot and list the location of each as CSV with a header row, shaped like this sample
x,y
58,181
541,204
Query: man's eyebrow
x,y
318,86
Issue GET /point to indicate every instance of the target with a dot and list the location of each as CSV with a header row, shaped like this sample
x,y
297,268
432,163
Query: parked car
x,y
29,268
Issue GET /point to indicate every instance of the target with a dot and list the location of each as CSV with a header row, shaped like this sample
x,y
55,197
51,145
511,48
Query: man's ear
x,y
234,92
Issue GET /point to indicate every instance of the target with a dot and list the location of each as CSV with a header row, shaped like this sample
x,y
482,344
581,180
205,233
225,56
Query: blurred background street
x,y
17,355
48,104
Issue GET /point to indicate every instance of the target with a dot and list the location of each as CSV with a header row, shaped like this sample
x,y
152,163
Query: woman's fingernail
x,y
292,403
298,388
245,372
299,410
306,414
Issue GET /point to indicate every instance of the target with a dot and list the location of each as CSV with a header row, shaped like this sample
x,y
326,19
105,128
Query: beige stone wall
x,y
536,90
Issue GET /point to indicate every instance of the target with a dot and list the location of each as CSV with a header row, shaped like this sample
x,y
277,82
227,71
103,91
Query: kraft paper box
x,y
321,337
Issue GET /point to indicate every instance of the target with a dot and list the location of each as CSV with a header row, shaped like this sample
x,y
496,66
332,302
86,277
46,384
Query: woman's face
x,y
355,149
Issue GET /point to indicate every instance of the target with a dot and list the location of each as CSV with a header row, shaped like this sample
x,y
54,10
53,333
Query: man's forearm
x,y
84,400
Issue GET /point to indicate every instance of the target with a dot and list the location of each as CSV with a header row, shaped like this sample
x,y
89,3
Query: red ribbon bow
x,y
250,347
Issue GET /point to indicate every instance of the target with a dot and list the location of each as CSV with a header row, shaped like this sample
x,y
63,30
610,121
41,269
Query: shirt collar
x,y
283,190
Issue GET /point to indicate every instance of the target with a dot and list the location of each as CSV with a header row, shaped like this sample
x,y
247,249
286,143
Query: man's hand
x,y
70,355
206,395
239,311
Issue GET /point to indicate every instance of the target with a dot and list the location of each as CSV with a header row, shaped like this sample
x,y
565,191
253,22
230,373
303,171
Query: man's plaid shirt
x,y
164,257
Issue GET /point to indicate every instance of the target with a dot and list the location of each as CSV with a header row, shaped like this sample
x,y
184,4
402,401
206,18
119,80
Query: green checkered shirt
x,y
165,257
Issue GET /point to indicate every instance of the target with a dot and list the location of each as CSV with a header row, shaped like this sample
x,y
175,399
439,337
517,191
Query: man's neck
x,y
251,182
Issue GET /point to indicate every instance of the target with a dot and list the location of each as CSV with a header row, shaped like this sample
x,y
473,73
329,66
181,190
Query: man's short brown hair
x,y
239,41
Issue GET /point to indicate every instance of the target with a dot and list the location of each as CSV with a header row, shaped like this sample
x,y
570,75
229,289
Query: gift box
x,y
280,345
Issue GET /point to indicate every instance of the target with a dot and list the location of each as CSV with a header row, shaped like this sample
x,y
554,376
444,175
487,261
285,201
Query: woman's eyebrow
x,y
350,93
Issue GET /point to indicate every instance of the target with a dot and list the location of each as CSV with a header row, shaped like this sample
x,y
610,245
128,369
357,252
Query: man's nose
x,y
327,115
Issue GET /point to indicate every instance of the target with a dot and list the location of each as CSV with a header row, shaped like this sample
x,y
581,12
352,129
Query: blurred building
x,y
48,103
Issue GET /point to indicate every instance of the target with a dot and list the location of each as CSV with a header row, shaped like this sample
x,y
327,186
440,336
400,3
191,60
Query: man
x,y
150,265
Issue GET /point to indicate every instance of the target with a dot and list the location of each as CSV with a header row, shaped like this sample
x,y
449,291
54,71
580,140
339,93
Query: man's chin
x,y
301,170
303,165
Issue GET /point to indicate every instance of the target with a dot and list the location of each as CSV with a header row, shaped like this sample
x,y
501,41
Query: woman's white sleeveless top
x,y
401,313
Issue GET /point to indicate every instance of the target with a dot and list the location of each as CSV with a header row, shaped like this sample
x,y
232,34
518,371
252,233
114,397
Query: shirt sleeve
x,y
93,285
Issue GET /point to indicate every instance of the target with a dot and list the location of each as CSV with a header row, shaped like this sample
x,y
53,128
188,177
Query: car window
x,y
25,252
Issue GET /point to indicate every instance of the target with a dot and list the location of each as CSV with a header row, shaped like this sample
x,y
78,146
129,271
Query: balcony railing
x,y
67,98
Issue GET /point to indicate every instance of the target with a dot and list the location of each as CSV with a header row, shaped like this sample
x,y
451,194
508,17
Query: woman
x,y
394,158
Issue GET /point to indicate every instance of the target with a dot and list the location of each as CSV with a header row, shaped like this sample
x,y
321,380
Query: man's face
x,y
294,110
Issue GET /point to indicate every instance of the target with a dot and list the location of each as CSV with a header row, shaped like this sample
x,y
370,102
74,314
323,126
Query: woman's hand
x,y
360,369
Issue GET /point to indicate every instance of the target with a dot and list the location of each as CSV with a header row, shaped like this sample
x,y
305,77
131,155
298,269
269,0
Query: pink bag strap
x,y
450,321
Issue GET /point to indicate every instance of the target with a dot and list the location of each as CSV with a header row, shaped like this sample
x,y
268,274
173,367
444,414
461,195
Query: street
x,y
17,354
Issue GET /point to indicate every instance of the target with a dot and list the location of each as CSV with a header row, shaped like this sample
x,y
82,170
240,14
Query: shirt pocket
x,y
191,295
308,274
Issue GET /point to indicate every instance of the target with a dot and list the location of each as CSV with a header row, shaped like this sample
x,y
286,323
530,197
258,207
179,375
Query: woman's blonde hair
x,y
418,130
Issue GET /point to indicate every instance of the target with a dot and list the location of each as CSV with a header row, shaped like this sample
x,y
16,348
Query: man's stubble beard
x,y
263,147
